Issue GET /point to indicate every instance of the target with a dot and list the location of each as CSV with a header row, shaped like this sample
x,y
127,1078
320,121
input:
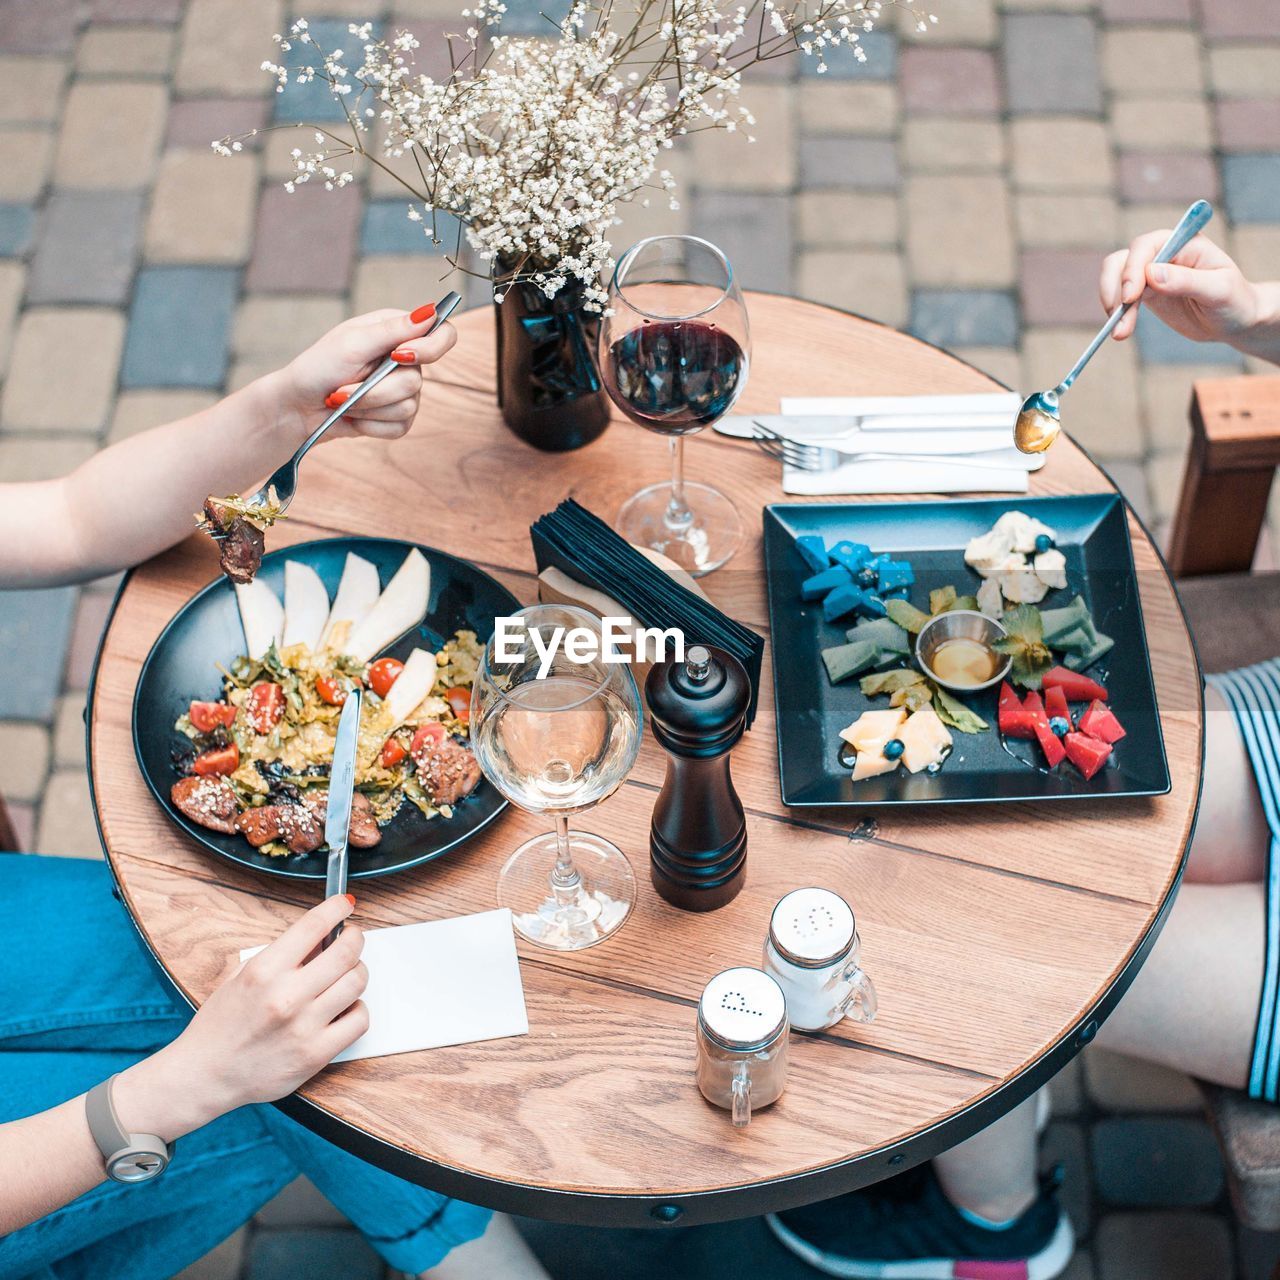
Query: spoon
x,y
1038,422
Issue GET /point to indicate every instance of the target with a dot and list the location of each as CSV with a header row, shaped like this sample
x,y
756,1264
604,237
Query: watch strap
x,y
111,1139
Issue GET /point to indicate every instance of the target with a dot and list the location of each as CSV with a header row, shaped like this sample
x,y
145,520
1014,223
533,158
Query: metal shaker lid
x,y
812,927
697,706
743,1008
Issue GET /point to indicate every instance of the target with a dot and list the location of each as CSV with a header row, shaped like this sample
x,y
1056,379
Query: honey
x,y
963,662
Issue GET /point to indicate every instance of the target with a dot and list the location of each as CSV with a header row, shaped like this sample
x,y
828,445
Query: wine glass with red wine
x,y
674,352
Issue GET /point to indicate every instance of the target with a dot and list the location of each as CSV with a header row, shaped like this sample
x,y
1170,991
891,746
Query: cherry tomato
x,y
392,753
459,699
383,674
219,760
205,717
429,735
332,690
265,706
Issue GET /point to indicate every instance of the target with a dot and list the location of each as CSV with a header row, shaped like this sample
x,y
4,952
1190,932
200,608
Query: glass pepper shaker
x,y
742,1042
812,951
698,835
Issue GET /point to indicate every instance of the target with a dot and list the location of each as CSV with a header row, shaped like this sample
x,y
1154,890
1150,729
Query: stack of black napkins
x,y
587,550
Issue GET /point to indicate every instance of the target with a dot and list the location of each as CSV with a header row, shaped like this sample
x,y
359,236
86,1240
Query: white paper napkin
x,y
439,983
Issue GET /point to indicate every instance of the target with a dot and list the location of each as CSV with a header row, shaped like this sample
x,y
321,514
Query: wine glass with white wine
x,y
556,736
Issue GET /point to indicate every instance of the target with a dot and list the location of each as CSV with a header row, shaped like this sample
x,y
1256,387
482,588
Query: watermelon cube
x,y
1054,752
1076,687
1055,703
828,580
1012,716
1099,721
813,551
1086,753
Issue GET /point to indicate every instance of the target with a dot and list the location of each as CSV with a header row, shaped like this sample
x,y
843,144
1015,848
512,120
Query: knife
x,y
342,785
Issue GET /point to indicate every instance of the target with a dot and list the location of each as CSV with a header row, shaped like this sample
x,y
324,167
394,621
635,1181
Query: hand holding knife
x,y
342,784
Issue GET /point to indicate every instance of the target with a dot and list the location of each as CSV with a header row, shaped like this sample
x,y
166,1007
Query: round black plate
x,y
206,630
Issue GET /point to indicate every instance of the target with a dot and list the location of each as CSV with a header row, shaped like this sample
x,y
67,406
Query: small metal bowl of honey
x,y
955,649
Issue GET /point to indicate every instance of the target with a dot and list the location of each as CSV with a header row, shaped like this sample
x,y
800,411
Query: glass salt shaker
x,y
812,953
742,1042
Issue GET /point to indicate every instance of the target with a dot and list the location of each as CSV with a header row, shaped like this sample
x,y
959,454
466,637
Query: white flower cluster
x,y
531,142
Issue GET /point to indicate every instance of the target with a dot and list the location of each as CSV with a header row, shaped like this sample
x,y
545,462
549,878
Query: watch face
x,y
136,1166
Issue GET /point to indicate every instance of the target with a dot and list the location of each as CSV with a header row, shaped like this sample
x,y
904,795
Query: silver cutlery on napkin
x,y
805,456
342,785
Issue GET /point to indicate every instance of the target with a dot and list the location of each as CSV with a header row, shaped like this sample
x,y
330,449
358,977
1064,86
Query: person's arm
x,y
1201,294
140,496
270,1027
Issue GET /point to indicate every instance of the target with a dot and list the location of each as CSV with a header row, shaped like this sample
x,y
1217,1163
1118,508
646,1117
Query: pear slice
x,y
261,615
306,605
411,686
401,605
358,591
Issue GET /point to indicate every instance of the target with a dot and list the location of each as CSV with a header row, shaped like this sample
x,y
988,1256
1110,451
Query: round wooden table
x,y
999,936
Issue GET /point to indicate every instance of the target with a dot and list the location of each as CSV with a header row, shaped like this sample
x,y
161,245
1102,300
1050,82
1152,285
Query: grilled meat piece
x,y
295,824
363,831
448,771
240,542
208,800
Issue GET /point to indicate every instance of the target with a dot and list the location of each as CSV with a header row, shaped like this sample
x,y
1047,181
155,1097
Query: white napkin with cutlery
x,y
439,983
951,444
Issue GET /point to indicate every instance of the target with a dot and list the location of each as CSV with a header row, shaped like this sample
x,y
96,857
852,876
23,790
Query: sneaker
x,y
883,1233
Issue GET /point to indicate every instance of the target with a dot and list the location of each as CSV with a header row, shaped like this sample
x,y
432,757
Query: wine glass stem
x,y
565,879
677,514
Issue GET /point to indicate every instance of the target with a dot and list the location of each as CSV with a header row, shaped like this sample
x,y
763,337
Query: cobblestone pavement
x,y
964,186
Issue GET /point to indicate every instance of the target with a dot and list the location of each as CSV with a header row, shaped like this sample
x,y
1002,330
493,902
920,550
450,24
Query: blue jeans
x,y
79,1001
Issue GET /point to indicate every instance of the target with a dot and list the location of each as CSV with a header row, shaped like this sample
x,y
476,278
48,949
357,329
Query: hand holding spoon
x,y
1038,422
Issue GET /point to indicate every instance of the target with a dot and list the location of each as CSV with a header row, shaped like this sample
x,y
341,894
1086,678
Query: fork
x,y
279,489
813,457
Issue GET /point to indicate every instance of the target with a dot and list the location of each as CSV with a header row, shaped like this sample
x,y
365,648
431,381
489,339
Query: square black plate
x,y
1093,534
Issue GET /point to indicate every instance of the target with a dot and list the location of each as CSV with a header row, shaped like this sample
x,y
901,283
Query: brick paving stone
x,y
92,612
48,26
24,759
638,221
1164,480
846,219
1240,19
1161,345
202,208
1059,286
869,164
1061,155
974,22
162,11
1114,1081
68,732
145,408
843,107
13,279
285,1255
305,241
1130,478
1152,62
279,326
867,282
965,317
407,282
1138,219
245,370
33,88
955,81
1156,1163
1163,1246
225,1262
959,231
881,49
1257,1253
939,144
222,47
1066,82
35,627
1064,1143
196,122
23,818
110,136
1250,186
1106,414
1080,1267
17,225
42,457
386,228
1005,365
756,233
179,326
768,164
1122,11
1162,124
85,386
88,247
139,51
300,1204
1256,249
1166,397
1248,124
1244,71
1067,221
1066,1090
65,827
25,157
313,101
1153,175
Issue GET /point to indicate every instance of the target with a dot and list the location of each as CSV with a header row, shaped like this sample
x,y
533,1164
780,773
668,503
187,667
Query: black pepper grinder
x,y
698,837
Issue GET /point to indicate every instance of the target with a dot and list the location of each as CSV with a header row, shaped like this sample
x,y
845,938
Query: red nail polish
x,y
404,357
334,399
423,313
351,898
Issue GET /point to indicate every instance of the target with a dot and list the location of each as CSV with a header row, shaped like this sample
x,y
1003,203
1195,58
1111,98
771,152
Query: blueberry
x,y
893,749
1059,725
1043,542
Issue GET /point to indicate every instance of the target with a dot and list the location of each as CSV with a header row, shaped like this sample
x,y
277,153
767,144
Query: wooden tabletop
x,y
998,935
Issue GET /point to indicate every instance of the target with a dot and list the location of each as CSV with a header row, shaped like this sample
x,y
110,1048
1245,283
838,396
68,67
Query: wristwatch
x,y
129,1157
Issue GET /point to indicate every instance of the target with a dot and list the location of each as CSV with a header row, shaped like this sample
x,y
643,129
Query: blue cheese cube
x,y
853,555
828,580
841,601
895,575
813,551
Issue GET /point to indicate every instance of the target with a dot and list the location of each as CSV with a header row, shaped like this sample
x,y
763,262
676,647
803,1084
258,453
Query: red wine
x,y
675,376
